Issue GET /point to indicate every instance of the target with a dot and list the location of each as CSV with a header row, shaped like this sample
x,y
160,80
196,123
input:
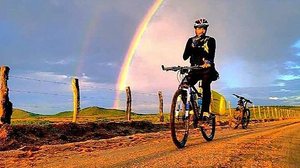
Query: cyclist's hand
x,y
206,64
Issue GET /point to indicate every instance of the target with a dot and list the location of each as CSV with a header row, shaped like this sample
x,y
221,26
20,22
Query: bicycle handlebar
x,y
177,68
240,97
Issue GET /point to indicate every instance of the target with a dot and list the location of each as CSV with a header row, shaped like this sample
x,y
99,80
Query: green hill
x,y
18,114
93,111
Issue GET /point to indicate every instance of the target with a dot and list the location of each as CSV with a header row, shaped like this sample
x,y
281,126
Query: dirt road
x,y
273,144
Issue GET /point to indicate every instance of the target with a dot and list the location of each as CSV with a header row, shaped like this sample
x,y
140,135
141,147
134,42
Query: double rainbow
x,y
121,83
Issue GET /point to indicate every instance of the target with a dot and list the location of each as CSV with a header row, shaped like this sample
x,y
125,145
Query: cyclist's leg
x,y
206,81
192,79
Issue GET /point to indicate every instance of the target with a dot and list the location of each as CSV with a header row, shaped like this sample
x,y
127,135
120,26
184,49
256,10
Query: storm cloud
x,y
257,56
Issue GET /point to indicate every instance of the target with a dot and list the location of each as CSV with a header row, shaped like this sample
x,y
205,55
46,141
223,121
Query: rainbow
x,y
91,30
121,83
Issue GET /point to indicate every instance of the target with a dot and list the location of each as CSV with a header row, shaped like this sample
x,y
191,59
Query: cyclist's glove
x,y
206,64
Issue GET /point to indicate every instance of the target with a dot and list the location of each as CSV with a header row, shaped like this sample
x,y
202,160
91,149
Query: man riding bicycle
x,y
201,51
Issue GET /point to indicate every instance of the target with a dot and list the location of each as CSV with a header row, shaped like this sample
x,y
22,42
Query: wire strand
x,y
39,80
33,92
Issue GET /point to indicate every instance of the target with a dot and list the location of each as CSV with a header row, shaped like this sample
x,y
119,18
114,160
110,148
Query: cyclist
x,y
201,51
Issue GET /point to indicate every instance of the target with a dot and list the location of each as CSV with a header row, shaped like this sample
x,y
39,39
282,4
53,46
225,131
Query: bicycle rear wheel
x,y
179,119
208,126
246,119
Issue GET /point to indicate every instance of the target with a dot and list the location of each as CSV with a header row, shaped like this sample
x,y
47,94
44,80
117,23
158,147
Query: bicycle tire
x,y
211,121
246,119
179,122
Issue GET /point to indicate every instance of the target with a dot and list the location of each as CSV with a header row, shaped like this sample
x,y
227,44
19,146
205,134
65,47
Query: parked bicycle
x,y
186,110
242,113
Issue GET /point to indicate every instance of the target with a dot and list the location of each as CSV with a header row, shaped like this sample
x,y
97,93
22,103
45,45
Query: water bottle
x,y
187,106
187,109
199,101
178,108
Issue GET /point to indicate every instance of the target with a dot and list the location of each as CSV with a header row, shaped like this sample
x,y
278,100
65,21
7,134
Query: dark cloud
x,y
86,33
257,41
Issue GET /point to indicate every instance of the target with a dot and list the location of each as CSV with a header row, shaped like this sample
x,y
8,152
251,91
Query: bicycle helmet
x,y
202,22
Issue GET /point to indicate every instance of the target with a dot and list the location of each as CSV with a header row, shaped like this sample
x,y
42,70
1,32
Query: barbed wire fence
x,y
264,113
29,97
60,98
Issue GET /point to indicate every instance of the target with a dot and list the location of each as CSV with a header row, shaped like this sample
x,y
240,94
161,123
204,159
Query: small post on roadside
x,y
229,107
5,104
161,107
259,113
254,112
269,112
265,113
76,99
128,107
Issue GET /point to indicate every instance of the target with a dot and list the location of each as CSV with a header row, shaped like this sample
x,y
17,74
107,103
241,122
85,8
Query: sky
x,y
47,43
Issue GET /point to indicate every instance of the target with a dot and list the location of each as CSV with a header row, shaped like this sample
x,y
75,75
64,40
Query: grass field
x,y
94,114
89,114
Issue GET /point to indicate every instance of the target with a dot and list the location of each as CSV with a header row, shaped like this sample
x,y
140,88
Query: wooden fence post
x,y
229,107
5,104
265,113
128,107
259,113
76,99
161,107
254,114
287,114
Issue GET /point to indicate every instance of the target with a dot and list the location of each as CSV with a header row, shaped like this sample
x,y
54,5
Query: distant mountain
x,y
93,111
19,113
89,111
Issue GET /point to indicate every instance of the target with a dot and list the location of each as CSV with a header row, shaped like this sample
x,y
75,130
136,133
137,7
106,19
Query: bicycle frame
x,y
244,112
183,102
191,96
190,90
242,102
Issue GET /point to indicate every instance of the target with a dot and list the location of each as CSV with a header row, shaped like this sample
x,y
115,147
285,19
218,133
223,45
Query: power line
x,y
43,93
39,80
91,97
64,83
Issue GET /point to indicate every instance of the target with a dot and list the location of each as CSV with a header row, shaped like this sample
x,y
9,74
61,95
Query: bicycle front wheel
x,y
208,126
246,119
179,119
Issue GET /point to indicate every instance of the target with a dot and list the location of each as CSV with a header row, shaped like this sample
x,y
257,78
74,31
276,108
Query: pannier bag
x,y
218,103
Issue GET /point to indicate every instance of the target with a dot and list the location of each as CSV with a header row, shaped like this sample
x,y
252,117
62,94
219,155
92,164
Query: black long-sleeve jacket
x,y
198,48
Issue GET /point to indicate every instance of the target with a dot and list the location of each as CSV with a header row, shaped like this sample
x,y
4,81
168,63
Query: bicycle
x,y
242,113
186,110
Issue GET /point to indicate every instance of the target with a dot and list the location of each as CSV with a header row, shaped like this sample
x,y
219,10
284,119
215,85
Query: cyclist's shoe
x,y
205,120
202,122
206,115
